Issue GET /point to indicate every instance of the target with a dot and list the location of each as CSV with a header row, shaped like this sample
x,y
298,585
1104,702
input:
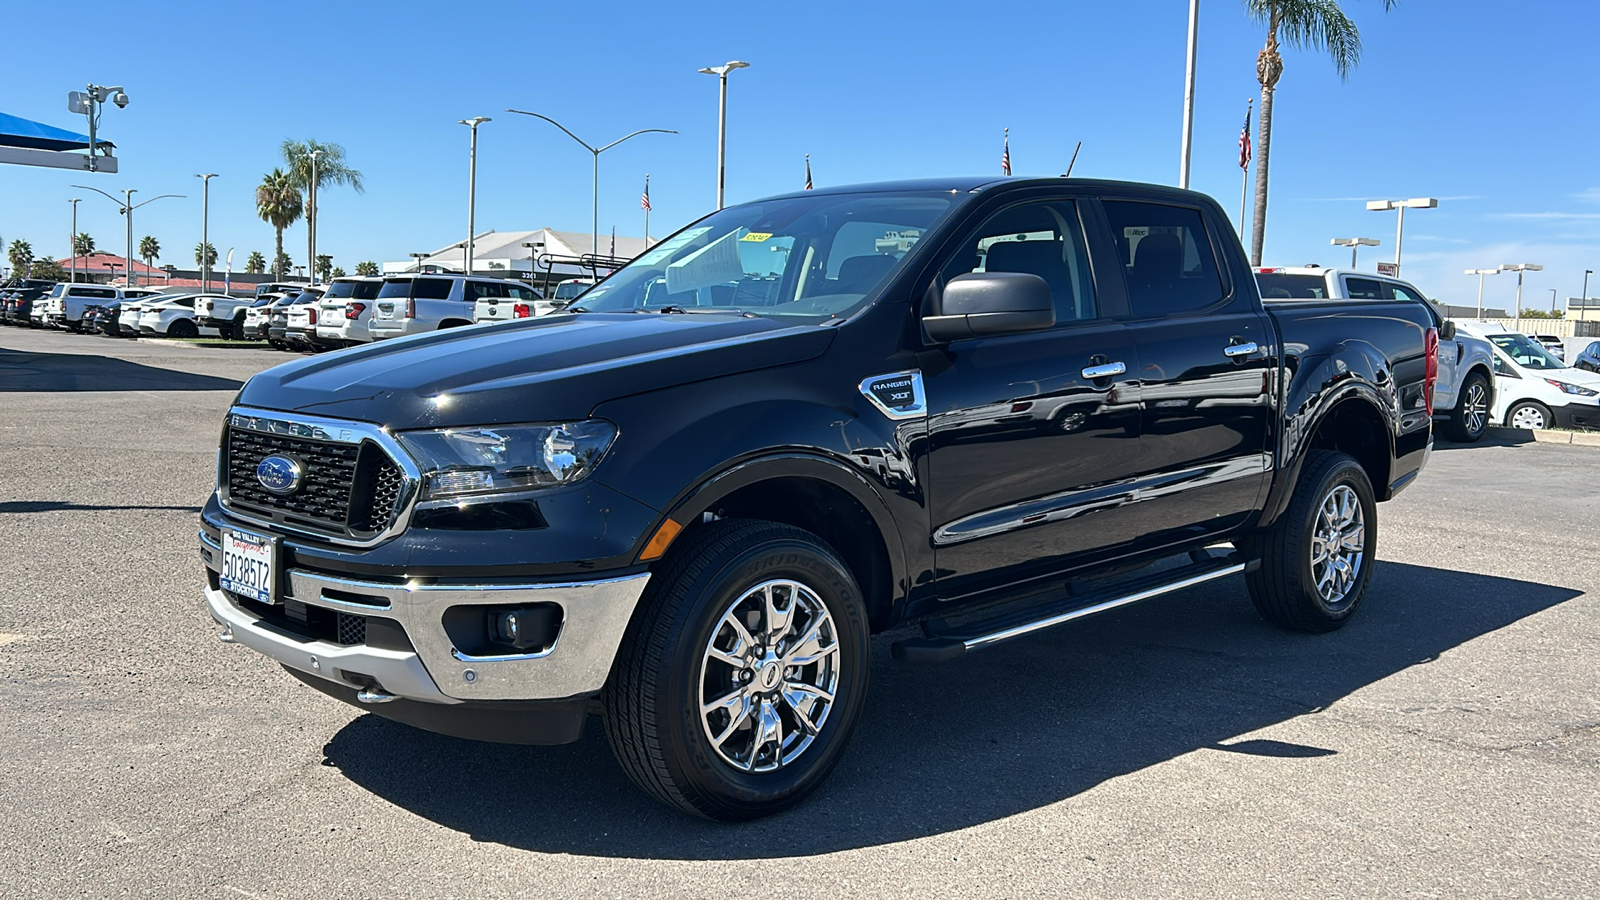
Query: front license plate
x,y
249,564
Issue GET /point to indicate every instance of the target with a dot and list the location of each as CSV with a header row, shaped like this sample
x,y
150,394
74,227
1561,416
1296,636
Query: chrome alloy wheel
x,y
1475,411
1338,545
768,676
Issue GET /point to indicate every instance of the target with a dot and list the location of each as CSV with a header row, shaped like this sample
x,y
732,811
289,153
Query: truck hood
x,y
553,368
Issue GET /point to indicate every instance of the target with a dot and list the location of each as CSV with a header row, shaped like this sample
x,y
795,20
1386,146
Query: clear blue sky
x,y
1479,103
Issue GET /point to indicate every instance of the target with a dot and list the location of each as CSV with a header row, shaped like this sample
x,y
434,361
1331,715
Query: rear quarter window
x,y
1292,287
431,288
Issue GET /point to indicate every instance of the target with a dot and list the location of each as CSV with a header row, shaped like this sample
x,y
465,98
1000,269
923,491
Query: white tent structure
x,y
553,255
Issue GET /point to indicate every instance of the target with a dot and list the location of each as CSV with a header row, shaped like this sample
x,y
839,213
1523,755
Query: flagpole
x,y
1244,186
647,211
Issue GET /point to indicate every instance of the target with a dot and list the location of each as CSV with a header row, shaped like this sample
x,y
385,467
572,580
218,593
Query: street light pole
x,y
1480,273
72,244
594,245
722,119
1586,273
311,219
1519,268
1355,244
205,231
472,189
1188,93
1400,225
1552,303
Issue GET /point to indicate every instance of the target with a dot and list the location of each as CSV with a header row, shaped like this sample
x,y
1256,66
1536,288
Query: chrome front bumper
x,y
594,616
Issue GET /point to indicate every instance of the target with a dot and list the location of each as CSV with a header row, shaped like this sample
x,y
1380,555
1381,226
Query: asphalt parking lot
x,y
1446,743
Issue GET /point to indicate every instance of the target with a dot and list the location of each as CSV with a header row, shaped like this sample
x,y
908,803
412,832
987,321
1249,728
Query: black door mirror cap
x,y
1447,331
985,304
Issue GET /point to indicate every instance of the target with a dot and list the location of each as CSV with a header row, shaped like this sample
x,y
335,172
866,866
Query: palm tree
x,y
366,267
1306,24
205,256
83,244
278,204
255,263
21,256
149,251
331,169
324,266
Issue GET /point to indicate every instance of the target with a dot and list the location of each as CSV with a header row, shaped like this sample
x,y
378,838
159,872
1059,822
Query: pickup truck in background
x,y
687,502
1465,393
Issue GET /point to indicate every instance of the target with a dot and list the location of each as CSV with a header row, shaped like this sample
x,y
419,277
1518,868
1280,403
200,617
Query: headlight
x,y
1572,388
462,462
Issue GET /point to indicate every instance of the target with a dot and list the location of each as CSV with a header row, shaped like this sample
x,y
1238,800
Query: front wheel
x,y
1470,419
741,678
183,328
1316,560
1530,415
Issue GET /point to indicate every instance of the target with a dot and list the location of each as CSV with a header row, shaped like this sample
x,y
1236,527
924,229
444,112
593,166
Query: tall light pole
x,y
72,245
1552,303
1400,225
1188,93
722,119
419,257
1519,268
1586,274
205,231
1355,244
128,206
594,244
472,188
1480,273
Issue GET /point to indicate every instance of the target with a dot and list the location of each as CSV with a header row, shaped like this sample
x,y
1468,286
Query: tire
x,y
1530,415
654,703
1470,420
1285,587
183,328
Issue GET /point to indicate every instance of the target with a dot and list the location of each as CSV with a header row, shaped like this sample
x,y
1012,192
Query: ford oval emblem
x,y
279,474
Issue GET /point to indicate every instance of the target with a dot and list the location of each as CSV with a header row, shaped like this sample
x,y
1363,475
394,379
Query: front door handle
x,y
1104,370
1235,351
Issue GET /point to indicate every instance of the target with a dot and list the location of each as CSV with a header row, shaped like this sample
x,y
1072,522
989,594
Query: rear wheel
x,y
1316,560
1529,415
743,674
1470,419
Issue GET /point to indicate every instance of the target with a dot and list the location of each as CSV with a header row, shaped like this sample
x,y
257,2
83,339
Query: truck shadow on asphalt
x,y
22,371
941,748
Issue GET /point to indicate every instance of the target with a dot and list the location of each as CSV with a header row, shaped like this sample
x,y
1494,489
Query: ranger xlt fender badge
x,y
898,395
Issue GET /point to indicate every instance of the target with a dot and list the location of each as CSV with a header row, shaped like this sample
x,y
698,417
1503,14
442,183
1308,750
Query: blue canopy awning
x,y
18,132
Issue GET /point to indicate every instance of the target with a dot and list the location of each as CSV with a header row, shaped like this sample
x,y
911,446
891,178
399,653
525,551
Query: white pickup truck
x,y
1464,393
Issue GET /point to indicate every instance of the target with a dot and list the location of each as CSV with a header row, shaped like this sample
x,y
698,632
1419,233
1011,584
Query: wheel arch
x,y
814,493
1350,420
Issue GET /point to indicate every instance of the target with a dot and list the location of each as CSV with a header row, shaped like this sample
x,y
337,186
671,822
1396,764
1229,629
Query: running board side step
x,y
944,642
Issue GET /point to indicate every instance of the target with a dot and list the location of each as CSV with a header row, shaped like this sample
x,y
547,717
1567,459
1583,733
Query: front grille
x,y
349,490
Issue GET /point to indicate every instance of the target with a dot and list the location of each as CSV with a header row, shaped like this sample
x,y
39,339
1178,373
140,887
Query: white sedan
x,y
172,318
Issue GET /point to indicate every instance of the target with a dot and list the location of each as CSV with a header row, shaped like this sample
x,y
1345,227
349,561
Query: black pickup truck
x,y
985,407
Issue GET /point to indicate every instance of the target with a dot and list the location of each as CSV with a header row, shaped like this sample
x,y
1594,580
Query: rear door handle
x,y
1104,370
1235,351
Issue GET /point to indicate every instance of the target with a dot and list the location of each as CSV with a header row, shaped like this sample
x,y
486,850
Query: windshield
x,y
568,290
1292,287
1524,352
817,257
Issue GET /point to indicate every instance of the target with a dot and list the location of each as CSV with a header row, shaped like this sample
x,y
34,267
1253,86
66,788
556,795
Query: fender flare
x,y
1357,389
704,495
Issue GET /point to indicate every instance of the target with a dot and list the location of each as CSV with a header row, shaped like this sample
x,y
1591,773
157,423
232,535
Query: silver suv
x,y
413,304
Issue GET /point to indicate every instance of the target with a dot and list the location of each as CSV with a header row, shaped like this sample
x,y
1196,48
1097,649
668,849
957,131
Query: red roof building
x,y
106,267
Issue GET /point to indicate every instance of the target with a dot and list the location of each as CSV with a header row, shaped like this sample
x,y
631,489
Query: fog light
x,y
526,629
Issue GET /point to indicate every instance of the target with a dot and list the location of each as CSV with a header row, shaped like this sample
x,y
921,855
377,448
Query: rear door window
x,y
1367,289
431,288
1167,258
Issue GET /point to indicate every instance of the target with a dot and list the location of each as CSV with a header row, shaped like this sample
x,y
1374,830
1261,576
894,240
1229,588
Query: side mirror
x,y
1447,331
984,304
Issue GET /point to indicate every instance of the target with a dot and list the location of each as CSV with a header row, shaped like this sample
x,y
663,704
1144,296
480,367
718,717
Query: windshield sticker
x,y
666,248
715,263
756,237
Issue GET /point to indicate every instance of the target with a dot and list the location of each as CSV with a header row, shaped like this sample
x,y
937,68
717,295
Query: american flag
x,y
644,201
1244,141
1005,155
808,171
